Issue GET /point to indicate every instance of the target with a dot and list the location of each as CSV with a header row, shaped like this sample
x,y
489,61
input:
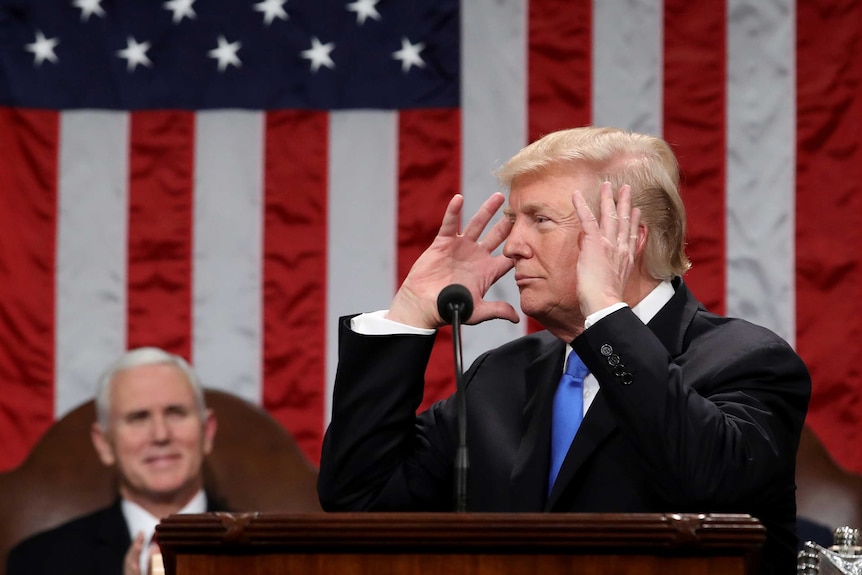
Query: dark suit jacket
x,y
701,413
94,544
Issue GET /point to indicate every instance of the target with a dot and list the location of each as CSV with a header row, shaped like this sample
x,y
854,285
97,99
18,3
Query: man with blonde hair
x,y
153,427
662,406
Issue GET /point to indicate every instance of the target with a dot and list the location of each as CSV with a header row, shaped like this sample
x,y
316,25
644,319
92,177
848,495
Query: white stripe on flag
x,y
761,143
227,263
362,221
627,65
91,251
494,127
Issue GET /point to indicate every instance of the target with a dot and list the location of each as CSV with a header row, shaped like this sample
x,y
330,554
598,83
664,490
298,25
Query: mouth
x,y
165,460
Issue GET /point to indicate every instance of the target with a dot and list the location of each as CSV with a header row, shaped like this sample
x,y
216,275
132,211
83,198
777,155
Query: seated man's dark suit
x,y
701,414
94,544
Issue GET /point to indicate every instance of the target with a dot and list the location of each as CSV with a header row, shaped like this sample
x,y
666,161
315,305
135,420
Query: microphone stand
x,y
455,305
462,462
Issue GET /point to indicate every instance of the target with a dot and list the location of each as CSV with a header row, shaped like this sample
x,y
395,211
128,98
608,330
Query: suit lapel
x,y
529,479
597,425
112,540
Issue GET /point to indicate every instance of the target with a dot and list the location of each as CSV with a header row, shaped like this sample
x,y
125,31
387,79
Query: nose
x,y
160,430
516,246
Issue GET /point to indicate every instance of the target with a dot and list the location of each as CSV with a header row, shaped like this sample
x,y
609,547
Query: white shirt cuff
x,y
376,323
602,313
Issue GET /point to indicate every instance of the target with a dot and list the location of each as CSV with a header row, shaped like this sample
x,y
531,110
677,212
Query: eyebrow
x,y
530,209
170,408
136,414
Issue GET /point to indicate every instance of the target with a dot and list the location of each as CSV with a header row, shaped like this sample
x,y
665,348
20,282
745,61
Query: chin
x,y
167,485
531,308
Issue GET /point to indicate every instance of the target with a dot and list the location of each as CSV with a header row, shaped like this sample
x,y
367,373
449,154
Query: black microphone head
x,y
452,297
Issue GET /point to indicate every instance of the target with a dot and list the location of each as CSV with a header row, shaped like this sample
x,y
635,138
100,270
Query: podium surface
x,y
466,543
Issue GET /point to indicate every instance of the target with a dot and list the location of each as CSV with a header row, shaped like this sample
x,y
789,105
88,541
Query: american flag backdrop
x,y
224,178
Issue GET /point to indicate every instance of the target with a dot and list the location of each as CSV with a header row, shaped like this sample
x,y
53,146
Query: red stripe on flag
x,y
828,205
559,64
161,203
560,67
694,125
294,273
28,220
429,174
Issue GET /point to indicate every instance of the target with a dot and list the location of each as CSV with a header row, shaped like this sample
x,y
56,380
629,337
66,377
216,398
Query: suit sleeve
x,y
377,453
718,424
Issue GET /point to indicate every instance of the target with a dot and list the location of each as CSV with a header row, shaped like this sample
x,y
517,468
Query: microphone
x,y
455,305
452,298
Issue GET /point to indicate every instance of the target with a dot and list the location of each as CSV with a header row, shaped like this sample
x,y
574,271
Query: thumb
x,y
495,310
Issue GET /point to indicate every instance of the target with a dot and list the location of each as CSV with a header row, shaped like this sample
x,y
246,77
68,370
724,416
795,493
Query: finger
x,y
588,220
502,266
497,234
610,219
624,216
480,219
132,559
137,544
635,230
452,218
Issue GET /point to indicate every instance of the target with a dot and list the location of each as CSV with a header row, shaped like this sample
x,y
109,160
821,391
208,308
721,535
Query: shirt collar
x,y
139,519
654,301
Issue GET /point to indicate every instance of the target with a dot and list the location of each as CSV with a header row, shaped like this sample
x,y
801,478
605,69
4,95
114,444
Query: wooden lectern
x,y
455,544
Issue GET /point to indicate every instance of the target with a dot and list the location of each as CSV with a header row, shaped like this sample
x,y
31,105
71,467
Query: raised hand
x,y
455,257
608,248
132,560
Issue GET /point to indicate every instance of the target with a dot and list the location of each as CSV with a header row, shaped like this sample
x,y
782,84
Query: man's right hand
x,y
457,258
132,562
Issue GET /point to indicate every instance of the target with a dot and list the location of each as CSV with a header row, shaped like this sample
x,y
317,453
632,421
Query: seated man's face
x,y
157,437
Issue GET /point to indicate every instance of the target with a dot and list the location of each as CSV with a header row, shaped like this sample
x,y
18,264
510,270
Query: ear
x,y
103,446
643,234
210,426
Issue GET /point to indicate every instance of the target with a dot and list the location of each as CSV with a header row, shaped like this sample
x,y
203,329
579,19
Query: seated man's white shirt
x,y
140,520
376,323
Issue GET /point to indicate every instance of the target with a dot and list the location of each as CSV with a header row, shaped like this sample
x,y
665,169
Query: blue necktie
x,y
568,413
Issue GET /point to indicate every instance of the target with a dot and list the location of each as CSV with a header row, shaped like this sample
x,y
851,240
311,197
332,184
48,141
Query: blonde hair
x,y
646,163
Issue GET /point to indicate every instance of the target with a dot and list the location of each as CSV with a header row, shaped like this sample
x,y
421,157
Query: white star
x,y
271,9
181,8
88,8
364,9
43,49
319,54
409,55
226,53
135,54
